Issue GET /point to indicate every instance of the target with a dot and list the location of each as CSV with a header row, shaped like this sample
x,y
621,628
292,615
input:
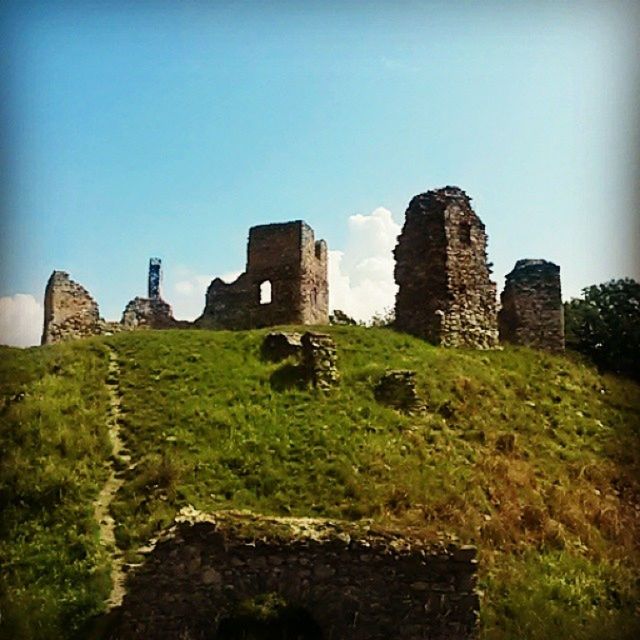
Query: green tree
x,y
605,325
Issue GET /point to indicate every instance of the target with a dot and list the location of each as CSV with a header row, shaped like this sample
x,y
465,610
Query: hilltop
x,y
533,457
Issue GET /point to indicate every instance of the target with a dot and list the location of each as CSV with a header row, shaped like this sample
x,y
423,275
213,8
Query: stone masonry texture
x,y
445,293
288,257
69,310
153,313
532,313
356,582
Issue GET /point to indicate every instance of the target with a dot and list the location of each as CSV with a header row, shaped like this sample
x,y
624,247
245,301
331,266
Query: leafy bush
x,y
605,325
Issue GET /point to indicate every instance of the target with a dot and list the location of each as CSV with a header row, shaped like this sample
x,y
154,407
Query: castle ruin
x,y
285,282
445,294
532,314
201,570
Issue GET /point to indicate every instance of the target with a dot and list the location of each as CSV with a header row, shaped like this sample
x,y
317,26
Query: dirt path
x,y
119,463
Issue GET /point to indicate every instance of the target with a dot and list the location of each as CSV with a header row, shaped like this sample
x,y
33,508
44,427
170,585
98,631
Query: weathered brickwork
x,y
69,310
445,293
355,582
293,265
532,313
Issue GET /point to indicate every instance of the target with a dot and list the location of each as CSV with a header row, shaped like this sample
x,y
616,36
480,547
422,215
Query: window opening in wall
x,y
465,233
265,292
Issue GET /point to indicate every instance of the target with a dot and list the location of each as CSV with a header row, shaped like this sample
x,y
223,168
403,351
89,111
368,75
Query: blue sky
x,y
140,129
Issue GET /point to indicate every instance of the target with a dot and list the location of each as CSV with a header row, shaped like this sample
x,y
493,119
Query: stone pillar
x,y
532,314
319,359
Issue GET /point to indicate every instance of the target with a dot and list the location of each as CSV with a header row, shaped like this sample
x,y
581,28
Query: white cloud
x,y
361,277
21,320
188,293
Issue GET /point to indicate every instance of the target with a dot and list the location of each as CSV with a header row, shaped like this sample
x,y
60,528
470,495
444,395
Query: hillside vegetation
x,y
554,510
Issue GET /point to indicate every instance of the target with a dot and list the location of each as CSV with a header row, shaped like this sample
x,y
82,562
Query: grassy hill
x,y
555,512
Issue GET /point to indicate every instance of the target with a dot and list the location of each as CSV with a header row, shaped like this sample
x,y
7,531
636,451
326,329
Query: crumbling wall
x,y
69,310
445,293
153,313
355,582
532,313
295,265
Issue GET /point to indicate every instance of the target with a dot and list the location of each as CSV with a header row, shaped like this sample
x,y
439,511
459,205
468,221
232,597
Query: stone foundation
x,y
532,313
354,582
445,294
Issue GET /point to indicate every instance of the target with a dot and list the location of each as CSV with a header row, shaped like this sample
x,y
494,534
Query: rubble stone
x,y
287,260
532,314
445,294
153,313
397,388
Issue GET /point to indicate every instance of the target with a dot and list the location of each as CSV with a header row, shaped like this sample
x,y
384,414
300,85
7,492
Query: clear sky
x,y
167,129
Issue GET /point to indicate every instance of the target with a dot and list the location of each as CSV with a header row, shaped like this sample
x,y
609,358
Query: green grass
x,y
556,519
53,447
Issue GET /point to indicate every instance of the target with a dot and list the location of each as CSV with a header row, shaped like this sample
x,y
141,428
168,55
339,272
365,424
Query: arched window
x,y
265,292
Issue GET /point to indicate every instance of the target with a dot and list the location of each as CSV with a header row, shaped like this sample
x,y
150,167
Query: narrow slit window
x,y
465,233
265,292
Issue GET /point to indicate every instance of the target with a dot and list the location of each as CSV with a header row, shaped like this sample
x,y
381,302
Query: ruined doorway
x,y
268,616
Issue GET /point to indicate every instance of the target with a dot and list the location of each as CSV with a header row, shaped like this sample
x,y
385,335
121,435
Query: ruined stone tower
x,y
445,294
532,314
285,282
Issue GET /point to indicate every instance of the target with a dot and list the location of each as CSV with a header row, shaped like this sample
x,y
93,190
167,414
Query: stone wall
x,y
532,313
287,257
355,582
152,313
445,293
69,310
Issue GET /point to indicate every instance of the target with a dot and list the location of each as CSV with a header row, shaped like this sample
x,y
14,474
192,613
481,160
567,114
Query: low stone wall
x,y
355,582
69,310
532,314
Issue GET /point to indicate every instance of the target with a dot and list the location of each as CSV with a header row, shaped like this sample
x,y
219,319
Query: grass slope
x,y
208,422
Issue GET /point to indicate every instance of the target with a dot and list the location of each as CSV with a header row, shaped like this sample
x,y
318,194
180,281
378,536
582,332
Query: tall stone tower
x,y
445,294
532,313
